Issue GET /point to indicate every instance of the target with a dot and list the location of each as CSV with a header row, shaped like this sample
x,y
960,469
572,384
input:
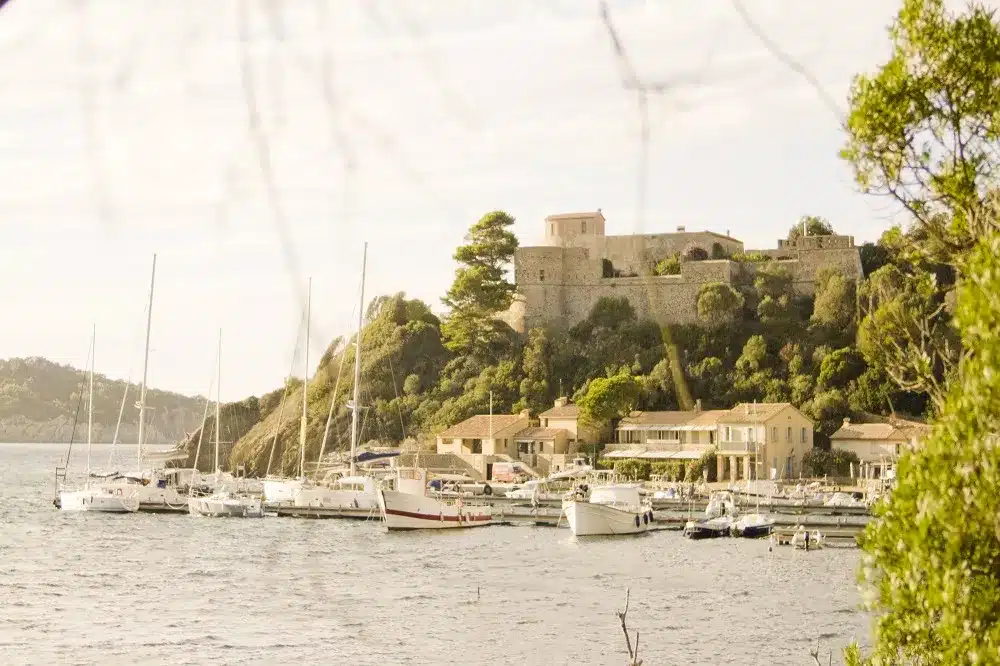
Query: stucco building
x,y
559,281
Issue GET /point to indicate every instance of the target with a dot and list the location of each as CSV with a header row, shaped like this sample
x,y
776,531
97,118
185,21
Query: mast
x,y
145,365
357,361
305,386
491,418
90,399
218,399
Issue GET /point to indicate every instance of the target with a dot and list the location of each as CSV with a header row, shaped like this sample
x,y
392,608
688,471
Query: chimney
x,y
746,408
681,228
847,420
727,233
562,402
697,406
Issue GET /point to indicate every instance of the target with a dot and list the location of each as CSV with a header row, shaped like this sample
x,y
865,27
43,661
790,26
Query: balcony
x,y
737,447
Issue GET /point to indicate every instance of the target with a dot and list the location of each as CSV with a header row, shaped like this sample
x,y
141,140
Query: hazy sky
x,y
124,131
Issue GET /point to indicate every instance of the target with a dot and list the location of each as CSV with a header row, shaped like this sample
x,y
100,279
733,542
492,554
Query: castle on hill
x,y
558,282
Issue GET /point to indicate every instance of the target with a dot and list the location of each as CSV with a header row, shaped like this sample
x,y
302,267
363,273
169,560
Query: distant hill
x,y
39,398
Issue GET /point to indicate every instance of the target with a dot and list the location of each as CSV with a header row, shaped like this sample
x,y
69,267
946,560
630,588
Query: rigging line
x,y
399,410
204,420
128,383
272,13
336,385
787,60
284,396
79,403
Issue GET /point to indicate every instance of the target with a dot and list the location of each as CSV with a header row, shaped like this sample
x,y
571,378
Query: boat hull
x,y
280,491
405,511
707,529
229,507
586,519
97,500
328,498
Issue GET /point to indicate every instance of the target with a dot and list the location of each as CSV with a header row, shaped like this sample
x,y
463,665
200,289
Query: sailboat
x,y
225,501
94,497
277,489
353,491
156,488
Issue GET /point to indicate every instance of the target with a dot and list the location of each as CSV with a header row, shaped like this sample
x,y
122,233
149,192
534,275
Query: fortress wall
x,y
636,253
712,270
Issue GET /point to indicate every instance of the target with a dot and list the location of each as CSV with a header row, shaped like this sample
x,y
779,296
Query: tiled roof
x,y
479,426
658,418
707,418
879,431
534,434
748,412
569,411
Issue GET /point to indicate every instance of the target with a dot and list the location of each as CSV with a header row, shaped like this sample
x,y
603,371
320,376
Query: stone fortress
x,y
559,282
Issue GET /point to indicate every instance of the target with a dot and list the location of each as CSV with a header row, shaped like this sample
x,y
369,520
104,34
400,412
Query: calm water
x,y
90,588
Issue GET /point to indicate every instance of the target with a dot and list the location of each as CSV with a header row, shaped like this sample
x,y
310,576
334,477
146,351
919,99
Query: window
x,y
751,434
788,435
541,275
803,436
552,230
774,434
711,437
728,434
477,446
583,227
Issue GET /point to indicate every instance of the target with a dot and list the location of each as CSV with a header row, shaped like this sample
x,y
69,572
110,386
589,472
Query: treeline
x,y
39,401
758,341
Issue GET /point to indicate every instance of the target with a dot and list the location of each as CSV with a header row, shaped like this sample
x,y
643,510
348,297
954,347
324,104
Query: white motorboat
x,y
720,514
347,492
612,509
409,507
225,504
278,490
752,526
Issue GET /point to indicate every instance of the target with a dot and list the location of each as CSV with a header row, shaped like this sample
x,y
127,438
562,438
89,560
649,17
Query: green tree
x,y
932,565
814,226
481,288
536,386
922,129
718,302
609,398
836,302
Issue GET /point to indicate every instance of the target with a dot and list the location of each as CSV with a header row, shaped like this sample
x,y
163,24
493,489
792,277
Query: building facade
x,y
559,281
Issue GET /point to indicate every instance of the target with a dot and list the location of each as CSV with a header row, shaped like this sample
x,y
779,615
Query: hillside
x,y
758,340
39,399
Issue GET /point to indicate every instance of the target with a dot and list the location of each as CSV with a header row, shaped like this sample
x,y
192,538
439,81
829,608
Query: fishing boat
x,y
610,510
92,496
409,507
226,501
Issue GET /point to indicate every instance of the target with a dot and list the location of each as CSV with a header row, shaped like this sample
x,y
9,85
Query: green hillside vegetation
x,y
39,400
757,341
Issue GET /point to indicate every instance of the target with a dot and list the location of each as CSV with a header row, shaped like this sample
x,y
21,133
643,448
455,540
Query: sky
x,y
127,129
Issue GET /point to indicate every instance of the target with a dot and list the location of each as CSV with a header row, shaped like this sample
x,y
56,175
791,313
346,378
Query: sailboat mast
x,y
145,365
90,399
305,386
357,362
218,399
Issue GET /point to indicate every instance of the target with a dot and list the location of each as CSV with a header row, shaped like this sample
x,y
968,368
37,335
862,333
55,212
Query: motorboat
x,y
409,507
720,514
346,492
610,510
752,526
226,504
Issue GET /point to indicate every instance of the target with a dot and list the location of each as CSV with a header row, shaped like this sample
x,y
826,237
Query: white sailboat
x,y
353,491
611,509
94,497
155,487
409,507
282,490
226,501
